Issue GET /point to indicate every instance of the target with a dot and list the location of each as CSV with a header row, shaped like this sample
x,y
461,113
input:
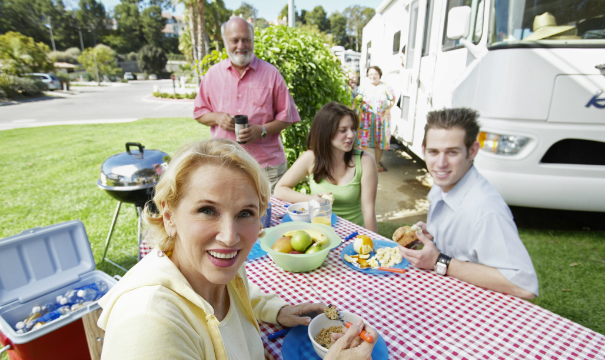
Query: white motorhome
x,y
535,70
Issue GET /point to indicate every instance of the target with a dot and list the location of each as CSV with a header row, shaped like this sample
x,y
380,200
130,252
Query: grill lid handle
x,y
141,147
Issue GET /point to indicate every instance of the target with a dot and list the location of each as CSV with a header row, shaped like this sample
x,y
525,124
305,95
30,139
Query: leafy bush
x,y
13,86
214,57
312,73
174,96
104,58
151,59
132,56
69,56
20,54
2,94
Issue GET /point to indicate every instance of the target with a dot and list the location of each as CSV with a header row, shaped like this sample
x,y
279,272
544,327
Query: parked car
x,y
49,79
128,76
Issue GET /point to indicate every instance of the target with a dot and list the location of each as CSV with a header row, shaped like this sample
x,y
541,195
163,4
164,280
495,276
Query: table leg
x,y
94,334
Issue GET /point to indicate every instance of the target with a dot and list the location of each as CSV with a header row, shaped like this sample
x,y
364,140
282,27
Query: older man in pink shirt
x,y
246,85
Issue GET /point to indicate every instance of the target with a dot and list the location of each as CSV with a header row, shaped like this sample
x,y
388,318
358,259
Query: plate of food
x,y
366,255
298,346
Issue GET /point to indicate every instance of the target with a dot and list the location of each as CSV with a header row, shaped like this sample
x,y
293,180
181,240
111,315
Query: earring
x,y
163,252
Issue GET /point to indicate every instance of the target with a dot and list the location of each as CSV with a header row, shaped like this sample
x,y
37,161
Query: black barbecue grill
x,y
131,177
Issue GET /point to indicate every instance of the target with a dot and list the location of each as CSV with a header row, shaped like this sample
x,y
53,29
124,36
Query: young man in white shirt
x,y
470,234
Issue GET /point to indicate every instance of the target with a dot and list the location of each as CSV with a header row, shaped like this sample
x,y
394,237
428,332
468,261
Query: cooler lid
x,y
39,260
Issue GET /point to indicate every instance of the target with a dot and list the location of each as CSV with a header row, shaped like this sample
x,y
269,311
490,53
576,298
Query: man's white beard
x,y
240,60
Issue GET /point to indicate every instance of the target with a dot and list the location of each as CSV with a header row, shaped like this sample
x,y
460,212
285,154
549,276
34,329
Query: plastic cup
x,y
320,211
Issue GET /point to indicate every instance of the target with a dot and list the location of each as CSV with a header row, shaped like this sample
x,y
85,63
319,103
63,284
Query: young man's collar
x,y
458,192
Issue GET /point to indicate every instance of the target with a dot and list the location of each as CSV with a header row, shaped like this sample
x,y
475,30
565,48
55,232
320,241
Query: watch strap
x,y
444,259
263,132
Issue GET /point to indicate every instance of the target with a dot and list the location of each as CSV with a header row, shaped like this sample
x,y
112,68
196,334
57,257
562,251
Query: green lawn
x,y
49,176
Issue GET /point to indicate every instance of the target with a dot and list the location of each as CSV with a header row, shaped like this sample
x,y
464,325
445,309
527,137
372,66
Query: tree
x,y
318,17
101,58
129,24
312,74
338,27
20,54
303,18
91,17
171,45
284,12
246,10
358,17
31,18
261,23
314,29
185,45
297,19
117,42
216,15
201,29
151,59
152,23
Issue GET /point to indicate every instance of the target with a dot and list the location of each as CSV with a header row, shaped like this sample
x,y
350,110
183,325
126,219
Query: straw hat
x,y
545,26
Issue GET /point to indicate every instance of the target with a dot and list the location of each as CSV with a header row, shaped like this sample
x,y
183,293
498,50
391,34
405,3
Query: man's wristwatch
x,y
443,261
264,132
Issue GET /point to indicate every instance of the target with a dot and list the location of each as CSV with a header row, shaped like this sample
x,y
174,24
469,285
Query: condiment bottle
x,y
241,122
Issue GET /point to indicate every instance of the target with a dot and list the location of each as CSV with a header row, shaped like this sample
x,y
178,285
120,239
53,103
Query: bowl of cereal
x,y
321,328
299,212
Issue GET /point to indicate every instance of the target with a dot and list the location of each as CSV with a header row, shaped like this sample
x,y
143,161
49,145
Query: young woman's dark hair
x,y
323,130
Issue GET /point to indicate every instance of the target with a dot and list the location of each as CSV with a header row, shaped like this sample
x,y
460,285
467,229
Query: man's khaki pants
x,y
275,173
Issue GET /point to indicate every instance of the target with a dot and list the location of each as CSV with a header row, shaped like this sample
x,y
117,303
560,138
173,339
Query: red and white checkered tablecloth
x,y
421,315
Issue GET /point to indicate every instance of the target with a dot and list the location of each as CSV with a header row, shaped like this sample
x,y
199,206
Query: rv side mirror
x,y
458,22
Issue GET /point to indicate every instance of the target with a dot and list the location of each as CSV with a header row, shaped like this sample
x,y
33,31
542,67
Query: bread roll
x,y
406,235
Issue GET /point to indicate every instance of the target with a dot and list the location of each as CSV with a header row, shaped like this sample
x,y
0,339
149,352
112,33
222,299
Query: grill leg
x,y
113,224
139,211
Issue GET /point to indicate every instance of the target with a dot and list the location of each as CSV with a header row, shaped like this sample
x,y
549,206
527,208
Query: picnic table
x,y
422,315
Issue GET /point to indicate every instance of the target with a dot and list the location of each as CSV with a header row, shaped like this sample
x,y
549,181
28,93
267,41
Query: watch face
x,y
440,268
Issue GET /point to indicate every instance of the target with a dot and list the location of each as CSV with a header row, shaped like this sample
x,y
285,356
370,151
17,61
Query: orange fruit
x,y
363,244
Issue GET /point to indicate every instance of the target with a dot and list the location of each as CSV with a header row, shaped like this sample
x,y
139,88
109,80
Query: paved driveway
x,y
106,104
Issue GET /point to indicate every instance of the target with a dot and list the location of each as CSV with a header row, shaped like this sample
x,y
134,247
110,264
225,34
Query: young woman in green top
x,y
334,166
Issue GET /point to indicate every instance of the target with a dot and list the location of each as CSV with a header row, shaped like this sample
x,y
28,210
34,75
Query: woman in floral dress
x,y
375,125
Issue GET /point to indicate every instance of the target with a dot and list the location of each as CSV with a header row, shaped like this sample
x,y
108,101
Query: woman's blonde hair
x,y
170,188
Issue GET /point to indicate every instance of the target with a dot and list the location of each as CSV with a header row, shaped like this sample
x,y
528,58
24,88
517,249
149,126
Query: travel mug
x,y
241,122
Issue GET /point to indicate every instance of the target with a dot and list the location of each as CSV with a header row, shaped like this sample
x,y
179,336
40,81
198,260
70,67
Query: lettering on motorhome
x,y
596,101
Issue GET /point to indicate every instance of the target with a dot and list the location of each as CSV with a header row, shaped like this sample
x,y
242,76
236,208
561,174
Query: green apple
x,y
301,240
314,249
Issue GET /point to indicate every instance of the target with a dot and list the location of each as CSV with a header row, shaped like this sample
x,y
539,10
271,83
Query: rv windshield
x,y
547,23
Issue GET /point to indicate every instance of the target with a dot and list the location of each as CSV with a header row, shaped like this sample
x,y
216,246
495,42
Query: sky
x,y
269,9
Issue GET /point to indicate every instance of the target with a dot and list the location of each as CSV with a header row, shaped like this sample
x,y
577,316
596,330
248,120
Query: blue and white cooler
x,y
37,266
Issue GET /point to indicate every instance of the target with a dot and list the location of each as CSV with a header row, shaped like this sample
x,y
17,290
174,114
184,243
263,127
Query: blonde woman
x,y
190,298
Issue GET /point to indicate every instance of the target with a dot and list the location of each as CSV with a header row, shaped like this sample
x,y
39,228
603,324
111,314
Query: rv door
x,y
404,126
